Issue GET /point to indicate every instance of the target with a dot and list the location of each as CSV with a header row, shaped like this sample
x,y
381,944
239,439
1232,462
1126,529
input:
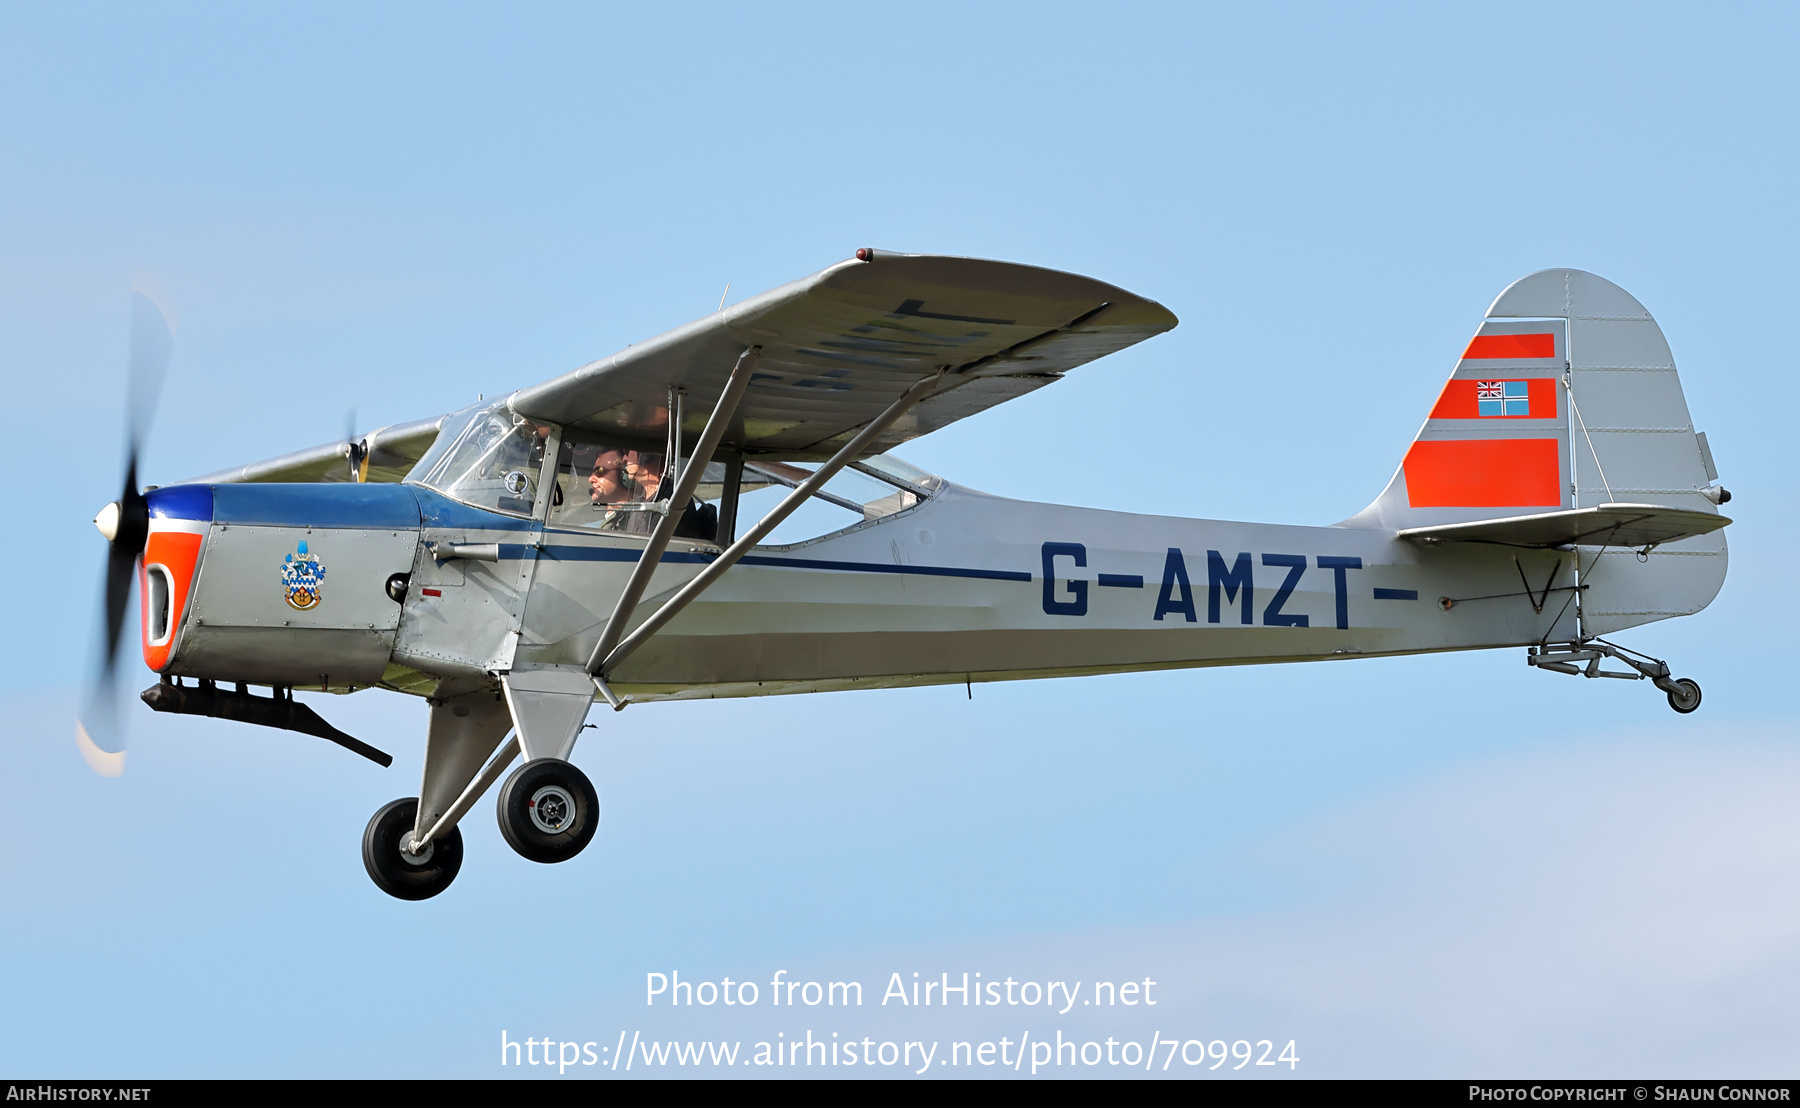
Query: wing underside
x,y
837,348
840,346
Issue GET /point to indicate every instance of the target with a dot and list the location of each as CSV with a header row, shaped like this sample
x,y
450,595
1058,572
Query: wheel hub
x,y
1684,696
551,809
409,857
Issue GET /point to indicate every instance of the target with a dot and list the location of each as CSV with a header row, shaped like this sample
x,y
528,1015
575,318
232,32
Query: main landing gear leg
x,y
548,809
401,872
413,848
1683,692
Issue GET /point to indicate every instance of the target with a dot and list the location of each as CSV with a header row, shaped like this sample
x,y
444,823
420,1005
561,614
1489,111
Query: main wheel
x,y
548,810
1685,696
418,876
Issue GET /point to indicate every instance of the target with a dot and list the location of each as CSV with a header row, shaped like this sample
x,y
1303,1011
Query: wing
x,y
838,347
387,454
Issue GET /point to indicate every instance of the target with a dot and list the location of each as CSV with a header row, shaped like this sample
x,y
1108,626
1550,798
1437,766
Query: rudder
x,y
1568,397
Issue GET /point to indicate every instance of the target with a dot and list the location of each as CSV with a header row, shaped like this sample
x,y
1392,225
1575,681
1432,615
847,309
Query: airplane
x,y
581,539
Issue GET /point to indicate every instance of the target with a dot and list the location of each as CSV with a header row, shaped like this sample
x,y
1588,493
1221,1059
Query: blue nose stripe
x,y
333,505
181,502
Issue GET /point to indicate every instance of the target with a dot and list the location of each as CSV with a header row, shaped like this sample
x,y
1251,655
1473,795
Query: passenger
x,y
646,470
646,474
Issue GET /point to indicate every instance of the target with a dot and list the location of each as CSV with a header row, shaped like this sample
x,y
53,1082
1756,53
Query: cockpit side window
x,y
608,487
614,485
865,491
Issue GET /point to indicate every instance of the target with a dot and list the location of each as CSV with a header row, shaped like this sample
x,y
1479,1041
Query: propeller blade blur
x,y
152,341
99,722
99,734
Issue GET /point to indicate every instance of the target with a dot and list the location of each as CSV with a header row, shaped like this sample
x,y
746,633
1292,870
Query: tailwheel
x,y
1685,696
548,810
398,873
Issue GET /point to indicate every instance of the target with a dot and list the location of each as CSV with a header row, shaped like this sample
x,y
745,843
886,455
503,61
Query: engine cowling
x,y
275,584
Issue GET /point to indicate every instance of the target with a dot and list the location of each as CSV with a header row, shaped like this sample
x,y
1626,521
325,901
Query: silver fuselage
x,y
962,586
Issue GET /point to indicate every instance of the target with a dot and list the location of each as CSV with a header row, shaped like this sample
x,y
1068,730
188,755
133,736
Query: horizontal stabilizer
x,y
1629,525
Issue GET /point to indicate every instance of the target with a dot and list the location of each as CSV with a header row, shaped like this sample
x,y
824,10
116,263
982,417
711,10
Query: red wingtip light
x,y
865,254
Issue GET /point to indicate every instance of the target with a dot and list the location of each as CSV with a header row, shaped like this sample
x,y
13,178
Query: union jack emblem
x,y
1502,398
300,577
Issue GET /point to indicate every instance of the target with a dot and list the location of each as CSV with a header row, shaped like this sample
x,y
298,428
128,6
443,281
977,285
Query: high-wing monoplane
x,y
590,537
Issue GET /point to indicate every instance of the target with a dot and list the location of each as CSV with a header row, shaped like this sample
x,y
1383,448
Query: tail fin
x,y
1567,397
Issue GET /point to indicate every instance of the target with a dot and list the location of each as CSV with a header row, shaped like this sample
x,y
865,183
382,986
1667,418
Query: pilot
x,y
607,484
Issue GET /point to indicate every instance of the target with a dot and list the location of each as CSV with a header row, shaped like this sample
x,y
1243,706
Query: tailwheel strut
x,y
1582,659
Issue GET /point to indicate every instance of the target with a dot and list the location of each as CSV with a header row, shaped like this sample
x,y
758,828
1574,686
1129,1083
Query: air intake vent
x,y
159,604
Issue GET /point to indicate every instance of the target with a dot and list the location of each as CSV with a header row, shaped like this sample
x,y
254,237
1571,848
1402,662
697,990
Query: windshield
x,y
488,457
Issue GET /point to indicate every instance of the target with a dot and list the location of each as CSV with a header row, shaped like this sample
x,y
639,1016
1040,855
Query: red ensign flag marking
x,y
1460,400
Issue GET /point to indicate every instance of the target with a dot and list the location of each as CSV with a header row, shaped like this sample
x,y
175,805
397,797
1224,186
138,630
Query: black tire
x,y
391,871
548,810
1685,696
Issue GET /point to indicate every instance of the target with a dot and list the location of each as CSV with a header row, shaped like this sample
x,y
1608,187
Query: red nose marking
x,y
178,552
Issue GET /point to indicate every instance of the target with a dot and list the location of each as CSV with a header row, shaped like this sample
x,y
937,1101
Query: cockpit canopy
x,y
486,456
490,457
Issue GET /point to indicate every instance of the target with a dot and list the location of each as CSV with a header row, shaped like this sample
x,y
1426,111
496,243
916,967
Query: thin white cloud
x,y
1623,907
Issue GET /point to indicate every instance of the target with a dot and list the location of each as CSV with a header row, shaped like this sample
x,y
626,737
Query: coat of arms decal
x,y
300,577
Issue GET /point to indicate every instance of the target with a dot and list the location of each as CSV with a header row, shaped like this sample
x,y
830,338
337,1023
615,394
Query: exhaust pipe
x,y
277,711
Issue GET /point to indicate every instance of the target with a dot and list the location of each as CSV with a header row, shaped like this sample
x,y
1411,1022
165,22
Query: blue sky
x,y
399,209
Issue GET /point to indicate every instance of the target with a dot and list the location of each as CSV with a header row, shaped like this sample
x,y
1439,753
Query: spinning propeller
x,y
99,728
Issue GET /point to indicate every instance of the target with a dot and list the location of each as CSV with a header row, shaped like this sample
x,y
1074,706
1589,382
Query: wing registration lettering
x,y
915,308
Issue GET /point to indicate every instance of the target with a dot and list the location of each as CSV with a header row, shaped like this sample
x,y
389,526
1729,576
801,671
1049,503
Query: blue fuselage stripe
x,y
630,554
881,567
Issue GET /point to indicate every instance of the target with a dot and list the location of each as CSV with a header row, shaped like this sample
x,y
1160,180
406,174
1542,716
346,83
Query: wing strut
x,y
606,661
678,502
